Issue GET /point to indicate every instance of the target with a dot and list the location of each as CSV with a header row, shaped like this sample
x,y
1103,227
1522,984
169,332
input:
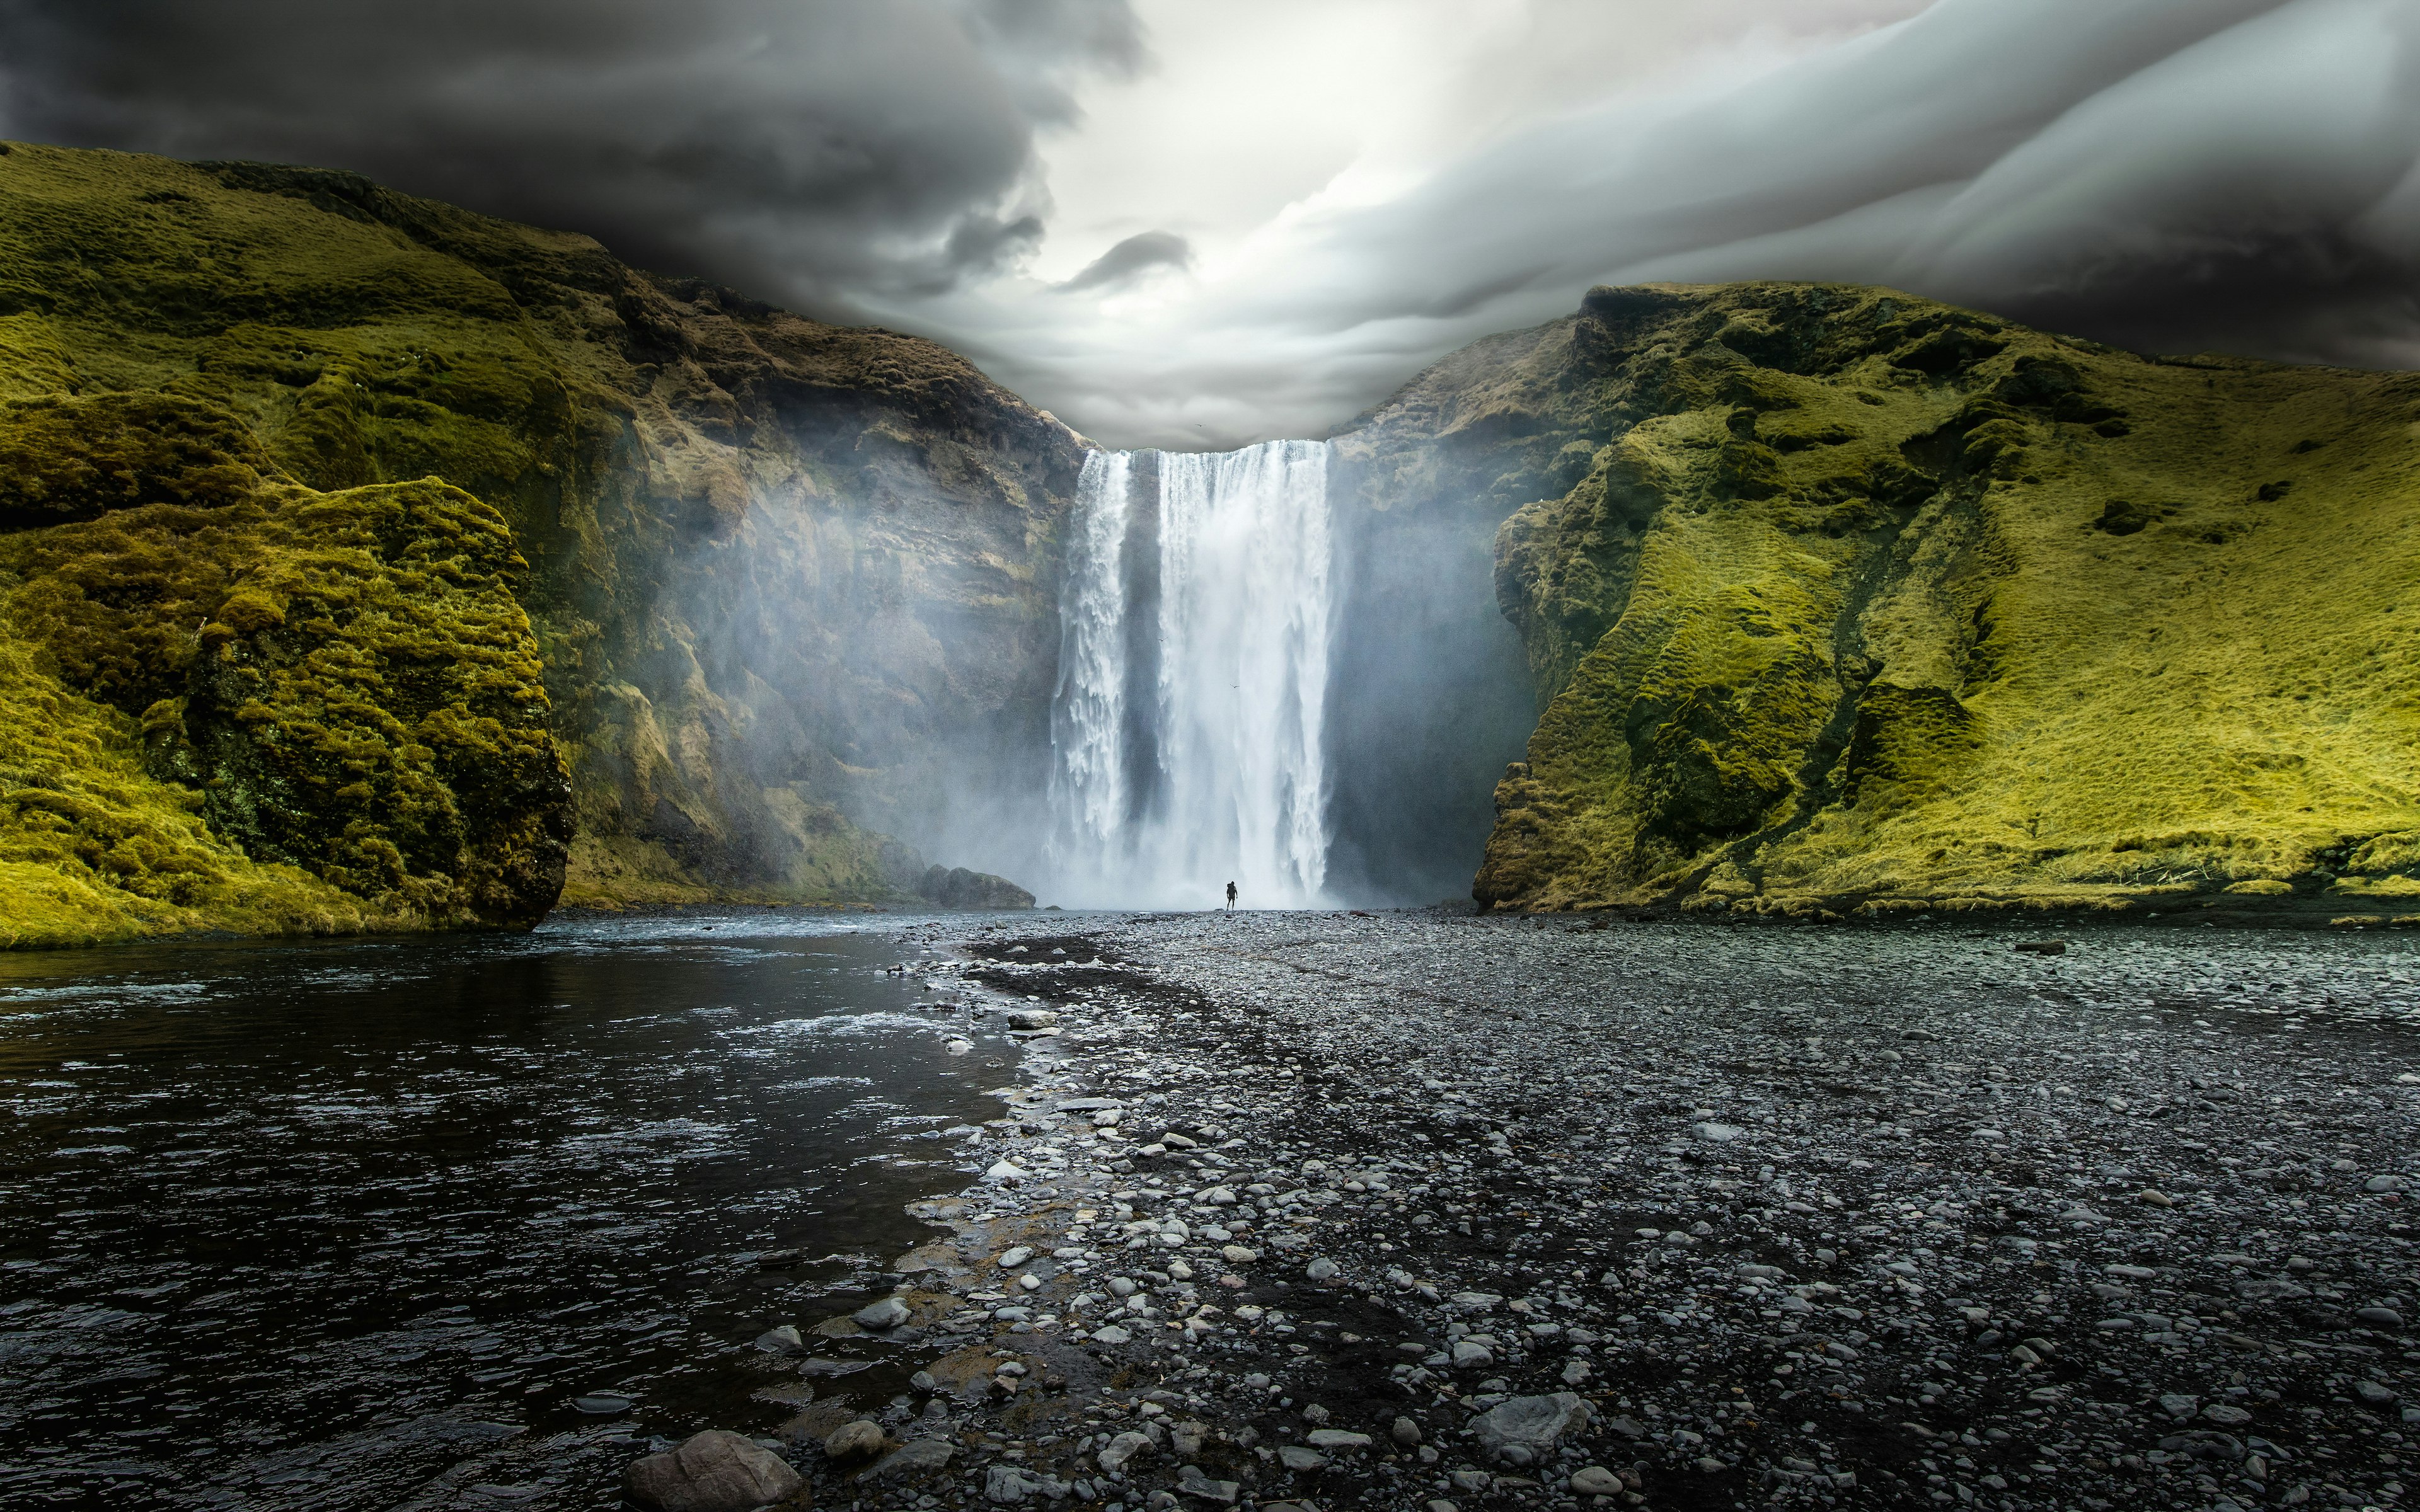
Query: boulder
x,y
919,1457
1531,1424
957,887
716,1470
861,1440
887,1314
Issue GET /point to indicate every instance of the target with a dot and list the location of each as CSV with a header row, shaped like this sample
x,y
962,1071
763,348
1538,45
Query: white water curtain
x,y
1202,765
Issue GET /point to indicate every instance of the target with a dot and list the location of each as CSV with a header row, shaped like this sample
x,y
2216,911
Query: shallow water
x,y
357,1225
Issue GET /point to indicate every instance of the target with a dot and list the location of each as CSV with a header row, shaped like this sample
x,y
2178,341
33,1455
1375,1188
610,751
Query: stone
x,y
818,1365
1202,1487
1006,1170
2377,1316
1536,1423
716,1470
1239,1254
1122,1451
2382,1183
1014,1256
1595,1481
1111,1334
1301,1459
861,1440
1719,1132
1322,1269
882,1316
1336,1439
1469,1354
2226,1415
1007,1484
782,1340
2373,1394
955,886
919,1458
1405,1432
2175,1404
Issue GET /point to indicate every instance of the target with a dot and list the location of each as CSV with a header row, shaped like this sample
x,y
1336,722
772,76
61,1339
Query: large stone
x,y
881,1316
957,887
716,1470
922,1457
1007,1484
1536,1423
1122,1451
861,1440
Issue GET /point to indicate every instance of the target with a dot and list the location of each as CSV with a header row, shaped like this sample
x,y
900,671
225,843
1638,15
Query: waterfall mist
x,y
1188,729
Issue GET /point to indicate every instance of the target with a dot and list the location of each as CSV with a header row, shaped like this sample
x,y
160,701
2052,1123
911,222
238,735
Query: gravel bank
x,y
1415,1211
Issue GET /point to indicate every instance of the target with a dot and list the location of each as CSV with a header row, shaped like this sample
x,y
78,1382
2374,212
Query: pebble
x,y
1840,1216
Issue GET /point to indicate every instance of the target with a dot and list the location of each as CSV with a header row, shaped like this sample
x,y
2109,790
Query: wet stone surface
x,y
1416,1210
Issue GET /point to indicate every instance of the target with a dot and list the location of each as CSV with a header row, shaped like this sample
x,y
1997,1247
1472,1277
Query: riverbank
x,y
1385,1211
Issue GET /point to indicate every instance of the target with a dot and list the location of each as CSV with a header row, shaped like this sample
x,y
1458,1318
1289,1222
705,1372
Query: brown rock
x,y
716,1470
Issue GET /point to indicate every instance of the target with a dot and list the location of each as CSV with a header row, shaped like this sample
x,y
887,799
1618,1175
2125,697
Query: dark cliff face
x,y
1833,597
697,597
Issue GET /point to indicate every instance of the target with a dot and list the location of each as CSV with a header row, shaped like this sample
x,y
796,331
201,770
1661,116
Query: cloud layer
x,y
823,151
2233,174
2238,175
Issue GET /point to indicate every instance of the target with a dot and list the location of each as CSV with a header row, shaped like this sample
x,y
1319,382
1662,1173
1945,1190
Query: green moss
x,y
222,387
1866,599
345,682
94,849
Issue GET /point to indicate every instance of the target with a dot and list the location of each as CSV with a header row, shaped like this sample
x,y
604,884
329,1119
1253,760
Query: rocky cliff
x,y
1837,599
366,562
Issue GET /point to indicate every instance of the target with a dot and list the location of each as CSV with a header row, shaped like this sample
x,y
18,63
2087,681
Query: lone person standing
x,y
1230,897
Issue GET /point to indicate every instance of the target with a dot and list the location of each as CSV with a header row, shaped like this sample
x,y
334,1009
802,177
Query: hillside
x,y
366,562
1841,599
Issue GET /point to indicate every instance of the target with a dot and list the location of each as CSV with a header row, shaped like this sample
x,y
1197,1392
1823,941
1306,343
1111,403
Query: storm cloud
x,y
2170,174
817,150
2224,175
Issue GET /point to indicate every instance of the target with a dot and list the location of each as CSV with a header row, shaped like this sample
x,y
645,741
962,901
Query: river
x,y
446,1221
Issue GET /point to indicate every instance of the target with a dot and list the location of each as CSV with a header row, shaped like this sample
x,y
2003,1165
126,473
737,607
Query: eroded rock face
x,y
1833,597
768,591
716,1470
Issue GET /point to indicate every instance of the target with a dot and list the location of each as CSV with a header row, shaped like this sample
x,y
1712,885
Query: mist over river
x,y
405,1223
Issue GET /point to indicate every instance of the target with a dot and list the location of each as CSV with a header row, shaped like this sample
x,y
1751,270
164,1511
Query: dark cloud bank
x,y
827,151
2166,174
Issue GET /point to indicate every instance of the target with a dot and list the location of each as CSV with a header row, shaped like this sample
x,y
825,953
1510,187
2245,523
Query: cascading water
x,y
1193,679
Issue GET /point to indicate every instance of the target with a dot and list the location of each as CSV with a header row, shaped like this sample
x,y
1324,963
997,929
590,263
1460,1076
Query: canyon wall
x,y
1834,598
366,562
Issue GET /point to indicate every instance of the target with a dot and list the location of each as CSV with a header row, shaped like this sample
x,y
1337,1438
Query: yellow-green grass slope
x,y
336,525
1855,600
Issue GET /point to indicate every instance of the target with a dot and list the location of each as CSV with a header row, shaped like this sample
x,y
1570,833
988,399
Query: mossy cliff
x,y
1837,599
367,562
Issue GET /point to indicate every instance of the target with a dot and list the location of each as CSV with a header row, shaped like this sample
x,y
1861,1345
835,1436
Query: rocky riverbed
x,y
1417,1210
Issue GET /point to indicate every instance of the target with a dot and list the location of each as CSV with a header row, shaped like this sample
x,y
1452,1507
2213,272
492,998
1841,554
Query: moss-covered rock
x,y
1840,598
379,516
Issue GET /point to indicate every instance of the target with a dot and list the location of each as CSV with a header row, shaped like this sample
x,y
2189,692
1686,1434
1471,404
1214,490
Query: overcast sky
x,y
1189,223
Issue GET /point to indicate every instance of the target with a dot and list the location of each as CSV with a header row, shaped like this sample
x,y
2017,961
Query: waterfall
x,y
1193,680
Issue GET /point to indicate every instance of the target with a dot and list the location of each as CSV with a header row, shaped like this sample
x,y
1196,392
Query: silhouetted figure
x,y
1230,897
